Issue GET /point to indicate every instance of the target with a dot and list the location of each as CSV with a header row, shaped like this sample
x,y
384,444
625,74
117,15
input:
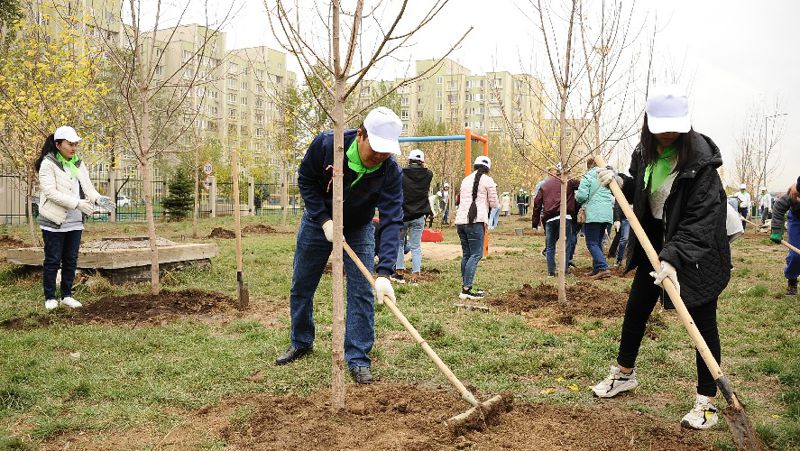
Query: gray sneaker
x,y
615,383
361,374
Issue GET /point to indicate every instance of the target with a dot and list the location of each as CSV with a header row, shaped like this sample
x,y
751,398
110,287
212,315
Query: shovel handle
x,y
784,242
466,394
675,297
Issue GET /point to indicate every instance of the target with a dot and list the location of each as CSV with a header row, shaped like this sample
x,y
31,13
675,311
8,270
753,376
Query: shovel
x,y
476,416
744,434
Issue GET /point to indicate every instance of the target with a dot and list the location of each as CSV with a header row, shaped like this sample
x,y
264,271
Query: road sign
x,y
208,168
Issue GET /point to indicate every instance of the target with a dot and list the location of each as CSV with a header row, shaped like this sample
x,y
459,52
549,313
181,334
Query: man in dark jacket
x,y
416,184
546,209
371,179
788,205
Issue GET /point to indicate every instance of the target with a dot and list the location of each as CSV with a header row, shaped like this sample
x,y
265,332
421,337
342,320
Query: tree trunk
x,y
196,178
284,191
144,164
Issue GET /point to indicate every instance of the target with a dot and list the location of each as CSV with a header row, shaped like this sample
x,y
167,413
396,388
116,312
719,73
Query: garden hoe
x,y
477,416
744,434
784,242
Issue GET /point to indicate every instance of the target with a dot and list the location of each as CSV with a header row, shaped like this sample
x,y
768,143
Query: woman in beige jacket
x,y
477,196
66,194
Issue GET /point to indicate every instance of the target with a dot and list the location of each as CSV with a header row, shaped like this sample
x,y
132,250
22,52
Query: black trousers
x,y
60,251
643,298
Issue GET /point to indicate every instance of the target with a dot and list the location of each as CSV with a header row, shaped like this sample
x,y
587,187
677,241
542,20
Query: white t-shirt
x,y
744,199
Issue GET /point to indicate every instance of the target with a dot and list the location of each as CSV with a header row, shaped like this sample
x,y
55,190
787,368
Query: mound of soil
x,y
404,416
219,232
7,242
259,228
584,298
133,308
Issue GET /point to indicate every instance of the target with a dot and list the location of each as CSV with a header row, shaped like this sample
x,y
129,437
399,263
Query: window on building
x,y
259,102
259,132
159,70
403,114
231,98
244,100
452,98
438,107
452,85
404,100
187,55
419,114
233,68
365,91
232,113
232,84
439,80
244,85
438,93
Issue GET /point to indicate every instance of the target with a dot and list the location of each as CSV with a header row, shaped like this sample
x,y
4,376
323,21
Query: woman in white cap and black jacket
x,y
678,197
477,196
66,194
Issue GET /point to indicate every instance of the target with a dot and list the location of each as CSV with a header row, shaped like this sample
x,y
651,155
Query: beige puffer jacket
x,y
55,189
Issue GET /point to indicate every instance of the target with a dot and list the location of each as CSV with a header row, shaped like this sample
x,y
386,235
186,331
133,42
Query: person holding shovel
x,y
788,206
678,197
371,179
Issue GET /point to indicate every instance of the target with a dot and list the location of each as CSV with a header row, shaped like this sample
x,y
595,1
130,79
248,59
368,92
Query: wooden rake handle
x,y
677,301
466,394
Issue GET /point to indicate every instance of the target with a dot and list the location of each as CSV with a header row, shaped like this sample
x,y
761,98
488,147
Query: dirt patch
x,y
584,298
219,232
403,416
7,242
259,228
134,308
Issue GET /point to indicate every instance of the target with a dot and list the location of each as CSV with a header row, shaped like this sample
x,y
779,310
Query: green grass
x,y
145,377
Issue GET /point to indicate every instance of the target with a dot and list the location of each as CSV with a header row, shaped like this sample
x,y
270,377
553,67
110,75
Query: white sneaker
x,y
50,304
616,383
69,301
702,416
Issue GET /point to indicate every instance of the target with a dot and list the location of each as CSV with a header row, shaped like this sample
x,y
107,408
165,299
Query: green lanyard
x,y
69,164
354,162
656,173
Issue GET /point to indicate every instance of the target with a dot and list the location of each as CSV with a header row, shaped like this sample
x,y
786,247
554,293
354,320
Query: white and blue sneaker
x,y
615,383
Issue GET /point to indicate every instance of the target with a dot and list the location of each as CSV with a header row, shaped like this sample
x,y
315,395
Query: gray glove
x,y
105,202
85,207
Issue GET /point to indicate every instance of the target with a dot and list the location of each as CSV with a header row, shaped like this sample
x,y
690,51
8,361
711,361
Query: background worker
x,y
787,208
744,203
416,184
371,179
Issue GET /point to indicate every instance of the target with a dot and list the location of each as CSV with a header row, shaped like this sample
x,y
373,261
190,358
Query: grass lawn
x,y
90,382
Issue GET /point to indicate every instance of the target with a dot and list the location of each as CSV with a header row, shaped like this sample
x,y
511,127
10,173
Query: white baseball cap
x,y
668,110
68,133
483,160
743,186
383,130
417,155
763,188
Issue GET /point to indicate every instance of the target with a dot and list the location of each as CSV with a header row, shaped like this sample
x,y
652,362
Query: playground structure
x,y
467,137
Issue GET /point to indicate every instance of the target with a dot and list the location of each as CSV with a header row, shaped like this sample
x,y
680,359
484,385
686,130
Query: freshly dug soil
x,y
219,232
411,417
133,308
259,228
584,298
7,242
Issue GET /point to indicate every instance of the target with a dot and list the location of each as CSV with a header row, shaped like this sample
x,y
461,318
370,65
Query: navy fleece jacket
x,y
382,189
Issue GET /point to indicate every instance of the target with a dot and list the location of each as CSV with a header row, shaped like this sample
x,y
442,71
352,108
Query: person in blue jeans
x,y
547,211
623,228
371,179
598,203
477,196
416,184
788,206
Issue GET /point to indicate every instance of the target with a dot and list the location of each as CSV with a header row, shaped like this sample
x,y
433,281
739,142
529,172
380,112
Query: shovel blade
x,y
744,435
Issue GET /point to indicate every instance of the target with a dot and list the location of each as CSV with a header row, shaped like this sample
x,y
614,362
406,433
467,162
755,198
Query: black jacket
x,y
416,184
382,189
692,236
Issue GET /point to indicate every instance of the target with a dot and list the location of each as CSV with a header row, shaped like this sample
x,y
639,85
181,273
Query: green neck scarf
x,y
70,164
656,173
354,162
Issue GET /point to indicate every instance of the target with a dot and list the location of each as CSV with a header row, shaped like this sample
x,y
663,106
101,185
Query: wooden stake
x,y
241,287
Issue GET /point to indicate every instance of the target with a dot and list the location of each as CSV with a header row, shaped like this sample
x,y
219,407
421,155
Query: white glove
x,y
384,288
327,227
667,270
606,175
616,226
85,207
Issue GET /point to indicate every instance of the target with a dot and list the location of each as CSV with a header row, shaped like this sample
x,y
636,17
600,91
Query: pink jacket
x,y
486,199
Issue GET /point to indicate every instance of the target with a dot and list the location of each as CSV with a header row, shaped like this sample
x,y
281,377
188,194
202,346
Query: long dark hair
x,y
683,147
49,146
473,209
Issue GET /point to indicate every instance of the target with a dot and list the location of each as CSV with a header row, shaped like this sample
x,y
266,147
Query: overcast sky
x,y
730,55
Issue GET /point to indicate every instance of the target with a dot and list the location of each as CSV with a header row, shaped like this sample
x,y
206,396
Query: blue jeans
x,y
551,238
310,258
471,236
594,232
60,251
573,229
494,218
411,236
624,232
792,270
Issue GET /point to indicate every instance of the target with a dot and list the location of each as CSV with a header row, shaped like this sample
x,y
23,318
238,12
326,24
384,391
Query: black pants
x,y
60,251
643,298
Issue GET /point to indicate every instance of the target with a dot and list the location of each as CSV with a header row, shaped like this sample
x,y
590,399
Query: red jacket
x,y
548,200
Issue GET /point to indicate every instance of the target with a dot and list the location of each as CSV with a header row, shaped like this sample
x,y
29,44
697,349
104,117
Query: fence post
x,y
251,196
212,197
112,193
